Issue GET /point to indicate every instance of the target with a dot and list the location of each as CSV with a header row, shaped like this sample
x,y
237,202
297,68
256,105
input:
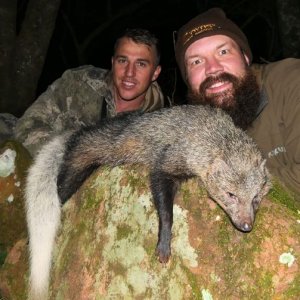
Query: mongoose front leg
x,y
164,188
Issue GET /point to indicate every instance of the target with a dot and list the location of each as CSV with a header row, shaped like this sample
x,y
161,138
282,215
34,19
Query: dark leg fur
x,y
68,184
164,188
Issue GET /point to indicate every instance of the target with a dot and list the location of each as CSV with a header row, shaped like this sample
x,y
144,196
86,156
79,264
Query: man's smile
x,y
127,84
218,87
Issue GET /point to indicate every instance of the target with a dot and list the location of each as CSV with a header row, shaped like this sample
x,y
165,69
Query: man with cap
x,y
214,59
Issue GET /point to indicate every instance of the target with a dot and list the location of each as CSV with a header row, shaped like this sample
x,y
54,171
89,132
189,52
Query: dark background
x,y
98,23
40,39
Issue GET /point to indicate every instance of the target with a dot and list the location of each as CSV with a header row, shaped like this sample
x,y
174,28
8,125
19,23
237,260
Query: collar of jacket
x,y
257,69
263,101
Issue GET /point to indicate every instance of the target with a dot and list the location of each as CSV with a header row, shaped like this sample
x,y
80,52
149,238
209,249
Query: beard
x,y
240,102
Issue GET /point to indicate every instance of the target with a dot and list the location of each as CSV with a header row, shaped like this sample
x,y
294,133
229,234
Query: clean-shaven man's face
x,y
133,68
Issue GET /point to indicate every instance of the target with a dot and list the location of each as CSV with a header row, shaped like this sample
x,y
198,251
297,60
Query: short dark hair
x,y
141,36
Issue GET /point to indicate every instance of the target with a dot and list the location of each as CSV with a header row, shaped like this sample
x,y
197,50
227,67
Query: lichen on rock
x,y
106,246
126,229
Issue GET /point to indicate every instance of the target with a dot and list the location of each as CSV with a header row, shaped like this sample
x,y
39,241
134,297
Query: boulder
x,y
106,246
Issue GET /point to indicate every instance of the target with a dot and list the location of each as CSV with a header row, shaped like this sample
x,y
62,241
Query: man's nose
x,y
130,70
213,66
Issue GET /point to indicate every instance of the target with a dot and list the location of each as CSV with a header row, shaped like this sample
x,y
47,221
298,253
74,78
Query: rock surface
x,y
106,247
14,161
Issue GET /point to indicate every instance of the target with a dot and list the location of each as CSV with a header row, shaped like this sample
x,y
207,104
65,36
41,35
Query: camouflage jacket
x,y
277,127
82,96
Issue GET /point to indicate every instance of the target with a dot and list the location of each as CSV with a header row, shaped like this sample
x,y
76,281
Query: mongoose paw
x,y
163,253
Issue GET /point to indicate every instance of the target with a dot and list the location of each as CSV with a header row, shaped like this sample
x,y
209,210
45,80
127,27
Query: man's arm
x,y
287,86
68,103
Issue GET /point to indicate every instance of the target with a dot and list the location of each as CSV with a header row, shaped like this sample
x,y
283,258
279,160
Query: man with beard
x,y
214,58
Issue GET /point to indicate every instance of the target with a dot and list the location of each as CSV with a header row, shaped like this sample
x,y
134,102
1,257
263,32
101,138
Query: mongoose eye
x,y
232,196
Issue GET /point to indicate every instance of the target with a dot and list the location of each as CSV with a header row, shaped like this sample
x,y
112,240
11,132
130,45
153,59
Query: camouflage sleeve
x,y
68,103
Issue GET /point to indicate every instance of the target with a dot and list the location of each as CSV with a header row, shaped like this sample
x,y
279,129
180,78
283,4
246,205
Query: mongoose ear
x,y
263,164
268,177
219,166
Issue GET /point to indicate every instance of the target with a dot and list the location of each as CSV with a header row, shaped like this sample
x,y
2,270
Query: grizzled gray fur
x,y
176,143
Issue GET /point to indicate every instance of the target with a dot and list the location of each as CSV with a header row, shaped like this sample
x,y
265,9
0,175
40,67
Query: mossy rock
x,y
12,179
106,247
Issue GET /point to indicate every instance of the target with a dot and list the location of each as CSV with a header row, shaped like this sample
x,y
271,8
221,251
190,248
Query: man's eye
x,y
196,62
121,60
141,64
223,51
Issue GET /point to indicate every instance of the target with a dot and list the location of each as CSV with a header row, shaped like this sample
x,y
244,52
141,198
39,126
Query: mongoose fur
x,y
175,143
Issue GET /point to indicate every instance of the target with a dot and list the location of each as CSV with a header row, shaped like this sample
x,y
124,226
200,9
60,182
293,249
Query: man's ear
x,y
112,60
156,73
246,59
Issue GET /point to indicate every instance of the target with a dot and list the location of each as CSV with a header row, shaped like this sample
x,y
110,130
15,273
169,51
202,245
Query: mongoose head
x,y
238,186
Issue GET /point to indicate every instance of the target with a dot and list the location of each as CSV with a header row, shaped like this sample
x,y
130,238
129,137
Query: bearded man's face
x,y
218,74
240,102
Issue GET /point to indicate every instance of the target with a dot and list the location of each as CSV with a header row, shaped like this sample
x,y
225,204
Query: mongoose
x,y
175,143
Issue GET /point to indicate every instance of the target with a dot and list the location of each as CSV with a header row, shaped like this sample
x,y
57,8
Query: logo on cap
x,y
198,30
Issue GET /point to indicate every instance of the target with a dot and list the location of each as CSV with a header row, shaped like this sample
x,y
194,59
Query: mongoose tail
x,y
43,210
